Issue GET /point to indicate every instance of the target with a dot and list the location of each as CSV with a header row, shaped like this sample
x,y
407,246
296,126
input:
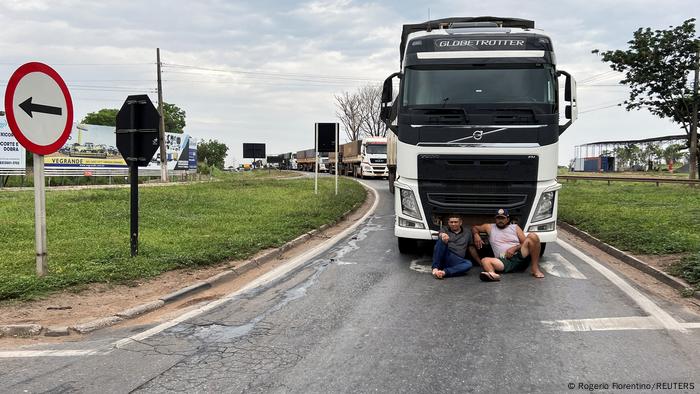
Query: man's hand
x,y
511,251
444,237
478,242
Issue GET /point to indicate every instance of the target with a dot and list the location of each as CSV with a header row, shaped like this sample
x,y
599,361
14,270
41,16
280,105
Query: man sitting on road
x,y
513,250
451,249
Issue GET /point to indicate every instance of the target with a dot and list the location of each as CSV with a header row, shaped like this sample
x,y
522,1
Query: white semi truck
x,y
475,125
365,158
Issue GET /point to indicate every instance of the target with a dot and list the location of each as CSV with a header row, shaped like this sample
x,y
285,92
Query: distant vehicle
x,y
361,158
306,160
88,150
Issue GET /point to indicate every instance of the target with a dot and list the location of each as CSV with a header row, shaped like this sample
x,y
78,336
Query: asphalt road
x,y
360,317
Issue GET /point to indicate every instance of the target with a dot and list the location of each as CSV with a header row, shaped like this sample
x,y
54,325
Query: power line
x,y
269,74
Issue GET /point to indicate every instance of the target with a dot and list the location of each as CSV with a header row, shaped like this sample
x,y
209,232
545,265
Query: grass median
x,y
179,226
640,218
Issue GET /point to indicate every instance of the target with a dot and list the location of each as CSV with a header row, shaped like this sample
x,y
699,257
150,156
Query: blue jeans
x,y
452,264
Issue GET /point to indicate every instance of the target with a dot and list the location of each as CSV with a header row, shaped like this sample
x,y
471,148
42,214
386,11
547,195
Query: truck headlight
x,y
409,206
545,207
366,167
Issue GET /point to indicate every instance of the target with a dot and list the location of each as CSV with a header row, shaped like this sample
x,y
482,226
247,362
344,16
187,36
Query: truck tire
x,y
392,178
407,245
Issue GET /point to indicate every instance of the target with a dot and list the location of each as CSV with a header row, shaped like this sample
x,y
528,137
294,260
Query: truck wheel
x,y
407,245
543,246
392,178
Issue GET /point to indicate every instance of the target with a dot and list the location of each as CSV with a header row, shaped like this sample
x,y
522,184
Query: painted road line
x,y
606,324
557,265
49,353
666,320
264,279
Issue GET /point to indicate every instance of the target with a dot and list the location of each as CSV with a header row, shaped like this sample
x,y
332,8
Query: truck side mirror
x,y
571,109
388,90
387,98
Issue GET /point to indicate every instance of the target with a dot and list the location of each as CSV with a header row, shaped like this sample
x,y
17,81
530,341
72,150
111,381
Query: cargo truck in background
x,y
365,158
475,125
306,160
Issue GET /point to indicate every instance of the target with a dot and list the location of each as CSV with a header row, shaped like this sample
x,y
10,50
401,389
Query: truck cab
x,y
475,125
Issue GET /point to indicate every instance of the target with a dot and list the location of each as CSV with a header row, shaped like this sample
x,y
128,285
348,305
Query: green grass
x,y
180,226
640,218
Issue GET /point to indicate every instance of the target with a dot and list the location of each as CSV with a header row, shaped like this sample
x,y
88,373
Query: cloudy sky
x,y
265,71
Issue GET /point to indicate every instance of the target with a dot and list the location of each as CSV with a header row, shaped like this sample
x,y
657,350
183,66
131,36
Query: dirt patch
x,y
94,301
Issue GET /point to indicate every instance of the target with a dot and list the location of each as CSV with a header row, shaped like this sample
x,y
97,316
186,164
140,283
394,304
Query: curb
x,y
27,330
630,260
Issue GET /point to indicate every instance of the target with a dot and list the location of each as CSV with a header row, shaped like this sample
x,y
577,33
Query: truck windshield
x,y
470,86
376,149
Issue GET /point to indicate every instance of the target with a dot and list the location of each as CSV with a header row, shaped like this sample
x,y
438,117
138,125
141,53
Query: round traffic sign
x,y
39,108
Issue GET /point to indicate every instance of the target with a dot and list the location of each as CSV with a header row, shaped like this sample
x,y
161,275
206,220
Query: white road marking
x,y
423,268
345,263
606,324
666,320
691,325
557,265
47,353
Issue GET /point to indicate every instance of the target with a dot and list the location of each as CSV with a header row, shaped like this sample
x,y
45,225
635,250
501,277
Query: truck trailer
x,y
365,158
475,125
306,160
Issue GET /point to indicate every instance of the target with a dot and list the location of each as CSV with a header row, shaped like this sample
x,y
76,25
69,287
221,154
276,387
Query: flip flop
x,y
488,277
538,275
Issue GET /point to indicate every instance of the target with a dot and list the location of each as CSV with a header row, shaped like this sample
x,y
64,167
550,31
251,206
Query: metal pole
x,y
694,124
40,215
134,172
316,161
336,159
161,128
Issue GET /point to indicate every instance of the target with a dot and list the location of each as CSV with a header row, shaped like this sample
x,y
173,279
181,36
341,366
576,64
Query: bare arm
x,y
480,228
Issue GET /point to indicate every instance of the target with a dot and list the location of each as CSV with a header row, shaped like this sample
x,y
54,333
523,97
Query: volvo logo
x,y
478,134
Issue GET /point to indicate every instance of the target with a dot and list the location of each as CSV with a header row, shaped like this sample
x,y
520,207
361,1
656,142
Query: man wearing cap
x,y
513,250
451,249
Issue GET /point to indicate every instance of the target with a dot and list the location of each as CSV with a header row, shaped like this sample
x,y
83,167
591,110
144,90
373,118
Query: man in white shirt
x,y
514,250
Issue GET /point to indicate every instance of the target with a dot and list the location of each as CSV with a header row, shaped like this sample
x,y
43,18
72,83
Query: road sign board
x,y
138,118
39,108
327,136
253,151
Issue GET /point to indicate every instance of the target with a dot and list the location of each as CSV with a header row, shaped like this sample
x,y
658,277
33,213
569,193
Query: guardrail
x,y
629,179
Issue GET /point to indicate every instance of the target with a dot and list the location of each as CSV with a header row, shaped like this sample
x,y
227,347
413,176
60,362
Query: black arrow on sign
x,y
28,107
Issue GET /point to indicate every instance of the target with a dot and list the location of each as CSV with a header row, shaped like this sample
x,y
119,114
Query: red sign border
x,y
17,76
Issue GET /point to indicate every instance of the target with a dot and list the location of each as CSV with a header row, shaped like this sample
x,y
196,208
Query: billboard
x,y
253,151
12,153
327,134
92,147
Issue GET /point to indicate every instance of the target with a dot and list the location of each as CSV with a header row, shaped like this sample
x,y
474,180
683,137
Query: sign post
x,y
39,112
137,140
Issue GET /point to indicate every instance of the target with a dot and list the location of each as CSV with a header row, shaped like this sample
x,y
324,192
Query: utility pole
x,y
694,125
163,154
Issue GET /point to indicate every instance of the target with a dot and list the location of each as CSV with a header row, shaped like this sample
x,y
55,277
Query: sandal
x,y
488,277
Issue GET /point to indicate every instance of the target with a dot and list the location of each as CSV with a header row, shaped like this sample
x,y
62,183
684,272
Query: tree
x,y
370,97
103,117
212,152
174,118
672,154
359,112
656,68
348,111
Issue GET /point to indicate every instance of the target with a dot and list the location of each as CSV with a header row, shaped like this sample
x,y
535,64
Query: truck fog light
x,y
539,228
409,223
545,207
409,206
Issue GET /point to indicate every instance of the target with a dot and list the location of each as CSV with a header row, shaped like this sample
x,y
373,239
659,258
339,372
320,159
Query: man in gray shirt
x,y
451,249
